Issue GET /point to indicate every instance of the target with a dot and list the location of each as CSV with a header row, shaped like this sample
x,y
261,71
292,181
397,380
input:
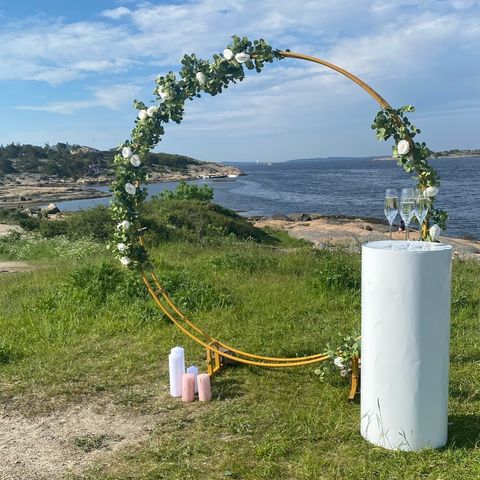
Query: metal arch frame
x,y
218,351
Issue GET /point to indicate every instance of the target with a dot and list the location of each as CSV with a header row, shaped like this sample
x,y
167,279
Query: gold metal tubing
x,y
383,103
225,354
228,347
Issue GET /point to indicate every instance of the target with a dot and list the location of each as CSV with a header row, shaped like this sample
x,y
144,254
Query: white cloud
x,y
116,13
113,97
408,50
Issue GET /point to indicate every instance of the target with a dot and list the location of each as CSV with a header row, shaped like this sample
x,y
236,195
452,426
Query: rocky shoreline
x,y
30,190
350,232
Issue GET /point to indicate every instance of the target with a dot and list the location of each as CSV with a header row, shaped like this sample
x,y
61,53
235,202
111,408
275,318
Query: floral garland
x,y
213,76
412,156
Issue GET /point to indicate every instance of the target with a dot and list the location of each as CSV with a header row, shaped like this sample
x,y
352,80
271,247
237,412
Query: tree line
x,y
75,161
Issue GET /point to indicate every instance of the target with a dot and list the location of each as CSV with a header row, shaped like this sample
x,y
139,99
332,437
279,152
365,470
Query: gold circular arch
x,y
218,351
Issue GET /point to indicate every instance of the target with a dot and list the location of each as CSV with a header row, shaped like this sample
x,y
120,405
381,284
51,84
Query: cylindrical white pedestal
x,y
405,343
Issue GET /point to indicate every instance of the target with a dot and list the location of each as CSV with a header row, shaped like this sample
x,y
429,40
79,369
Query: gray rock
x,y
50,209
281,216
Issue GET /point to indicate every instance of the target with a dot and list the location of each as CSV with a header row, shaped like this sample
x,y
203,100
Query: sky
x,y
70,71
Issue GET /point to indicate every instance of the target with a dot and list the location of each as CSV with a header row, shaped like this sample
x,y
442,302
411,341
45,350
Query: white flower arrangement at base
x,y
432,191
122,248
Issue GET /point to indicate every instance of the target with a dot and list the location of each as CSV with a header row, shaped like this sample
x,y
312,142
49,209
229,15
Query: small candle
x,y
194,371
188,387
204,388
176,367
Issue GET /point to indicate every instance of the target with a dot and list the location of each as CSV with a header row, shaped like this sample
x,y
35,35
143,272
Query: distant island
x,y
31,174
456,153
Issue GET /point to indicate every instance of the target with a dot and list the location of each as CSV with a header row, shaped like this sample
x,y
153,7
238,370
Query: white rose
x,y
162,94
201,78
126,152
142,115
125,261
403,147
344,373
431,191
122,247
338,362
125,225
434,232
130,188
151,111
227,54
242,57
135,161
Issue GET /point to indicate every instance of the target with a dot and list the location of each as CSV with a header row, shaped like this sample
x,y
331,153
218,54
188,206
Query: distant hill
x,y
76,161
457,153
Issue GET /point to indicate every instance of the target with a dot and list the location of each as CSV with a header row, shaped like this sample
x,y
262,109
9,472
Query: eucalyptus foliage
x,y
195,77
393,123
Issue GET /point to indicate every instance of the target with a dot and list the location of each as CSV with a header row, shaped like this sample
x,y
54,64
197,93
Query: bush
x,y
94,223
184,191
194,220
338,270
99,281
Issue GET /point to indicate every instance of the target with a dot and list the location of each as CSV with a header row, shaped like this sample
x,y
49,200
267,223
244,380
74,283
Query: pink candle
x,y
204,388
188,387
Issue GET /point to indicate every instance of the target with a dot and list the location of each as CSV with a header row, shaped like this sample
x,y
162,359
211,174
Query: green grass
x,y
72,334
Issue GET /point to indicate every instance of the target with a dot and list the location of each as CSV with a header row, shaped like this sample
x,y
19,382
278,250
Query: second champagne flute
x,y
421,208
407,207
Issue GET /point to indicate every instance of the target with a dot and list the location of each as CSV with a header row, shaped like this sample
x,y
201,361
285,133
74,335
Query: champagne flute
x,y
391,207
407,208
421,208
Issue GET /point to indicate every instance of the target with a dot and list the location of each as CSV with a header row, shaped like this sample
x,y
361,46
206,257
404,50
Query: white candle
x,y
176,367
193,369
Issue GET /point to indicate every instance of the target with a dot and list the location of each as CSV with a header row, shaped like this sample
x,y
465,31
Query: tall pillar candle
x,y
194,371
204,388
176,366
188,387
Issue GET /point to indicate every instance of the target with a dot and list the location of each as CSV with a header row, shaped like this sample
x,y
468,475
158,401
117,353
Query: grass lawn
x,y
78,330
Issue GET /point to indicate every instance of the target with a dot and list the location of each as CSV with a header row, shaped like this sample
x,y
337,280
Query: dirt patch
x,y
6,229
48,447
14,267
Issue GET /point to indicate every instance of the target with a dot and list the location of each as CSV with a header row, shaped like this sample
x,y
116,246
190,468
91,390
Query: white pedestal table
x,y
405,343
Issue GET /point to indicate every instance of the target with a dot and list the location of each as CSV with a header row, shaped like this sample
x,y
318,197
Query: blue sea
x,y
337,186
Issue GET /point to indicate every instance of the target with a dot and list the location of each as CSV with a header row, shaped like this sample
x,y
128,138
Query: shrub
x,y
98,281
338,270
194,220
184,191
95,223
